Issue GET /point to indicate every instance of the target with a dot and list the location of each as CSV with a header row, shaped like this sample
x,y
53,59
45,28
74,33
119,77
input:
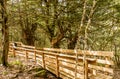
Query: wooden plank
x,y
86,69
100,53
26,55
45,52
101,76
107,62
31,54
94,53
19,48
29,47
80,59
67,64
71,65
66,60
38,56
14,53
43,60
39,59
81,52
57,66
70,68
67,74
104,69
51,69
50,64
20,54
50,56
50,60
35,56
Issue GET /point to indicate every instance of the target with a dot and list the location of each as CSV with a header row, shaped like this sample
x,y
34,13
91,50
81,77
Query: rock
x,y
41,73
36,69
13,76
50,76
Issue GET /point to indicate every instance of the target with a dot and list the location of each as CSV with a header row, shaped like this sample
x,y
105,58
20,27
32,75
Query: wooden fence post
x,y
107,59
43,60
94,71
14,53
35,56
26,53
86,69
57,66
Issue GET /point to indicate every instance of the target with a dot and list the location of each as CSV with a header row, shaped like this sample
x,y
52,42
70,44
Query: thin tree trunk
x,y
5,34
79,36
86,35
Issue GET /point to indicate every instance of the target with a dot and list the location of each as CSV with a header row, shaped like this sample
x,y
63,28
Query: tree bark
x,y
28,35
5,34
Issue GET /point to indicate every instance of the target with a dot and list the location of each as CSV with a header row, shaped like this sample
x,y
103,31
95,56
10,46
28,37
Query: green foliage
x,y
64,17
17,62
41,73
5,73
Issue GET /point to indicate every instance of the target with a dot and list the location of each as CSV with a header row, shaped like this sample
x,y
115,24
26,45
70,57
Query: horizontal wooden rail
x,y
62,61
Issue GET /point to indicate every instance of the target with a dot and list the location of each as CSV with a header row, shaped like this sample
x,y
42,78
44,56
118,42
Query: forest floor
x,y
20,69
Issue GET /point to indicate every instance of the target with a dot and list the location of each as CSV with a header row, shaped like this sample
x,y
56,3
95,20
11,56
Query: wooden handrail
x,y
80,52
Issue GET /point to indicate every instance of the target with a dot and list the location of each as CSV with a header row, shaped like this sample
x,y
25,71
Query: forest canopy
x,y
56,23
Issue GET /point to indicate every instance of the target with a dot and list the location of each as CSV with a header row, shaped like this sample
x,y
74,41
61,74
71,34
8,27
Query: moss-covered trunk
x,y
5,34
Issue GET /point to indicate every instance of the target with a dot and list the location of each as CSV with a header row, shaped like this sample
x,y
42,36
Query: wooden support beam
x,y
57,66
14,53
35,57
86,69
43,60
26,53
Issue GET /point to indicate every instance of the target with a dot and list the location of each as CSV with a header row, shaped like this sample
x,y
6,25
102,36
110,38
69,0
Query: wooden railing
x,y
62,62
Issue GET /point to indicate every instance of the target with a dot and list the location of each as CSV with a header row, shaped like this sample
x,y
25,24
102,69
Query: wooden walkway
x,y
64,63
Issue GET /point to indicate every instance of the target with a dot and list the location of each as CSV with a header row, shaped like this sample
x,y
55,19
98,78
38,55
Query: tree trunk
x,y
28,35
5,34
72,41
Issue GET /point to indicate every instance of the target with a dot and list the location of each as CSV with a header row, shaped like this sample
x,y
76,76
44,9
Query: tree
x,y
28,25
5,33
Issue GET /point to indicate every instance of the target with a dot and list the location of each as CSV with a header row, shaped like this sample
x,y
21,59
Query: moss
x,y
35,69
17,62
41,73
5,73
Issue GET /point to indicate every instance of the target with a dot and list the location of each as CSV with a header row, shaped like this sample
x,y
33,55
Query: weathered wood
x,y
63,62
26,53
14,53
50,60
29,47
86,69
53,65
80,52
50,68
104,69
35,57
107,62
67,73
43,60
57,66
